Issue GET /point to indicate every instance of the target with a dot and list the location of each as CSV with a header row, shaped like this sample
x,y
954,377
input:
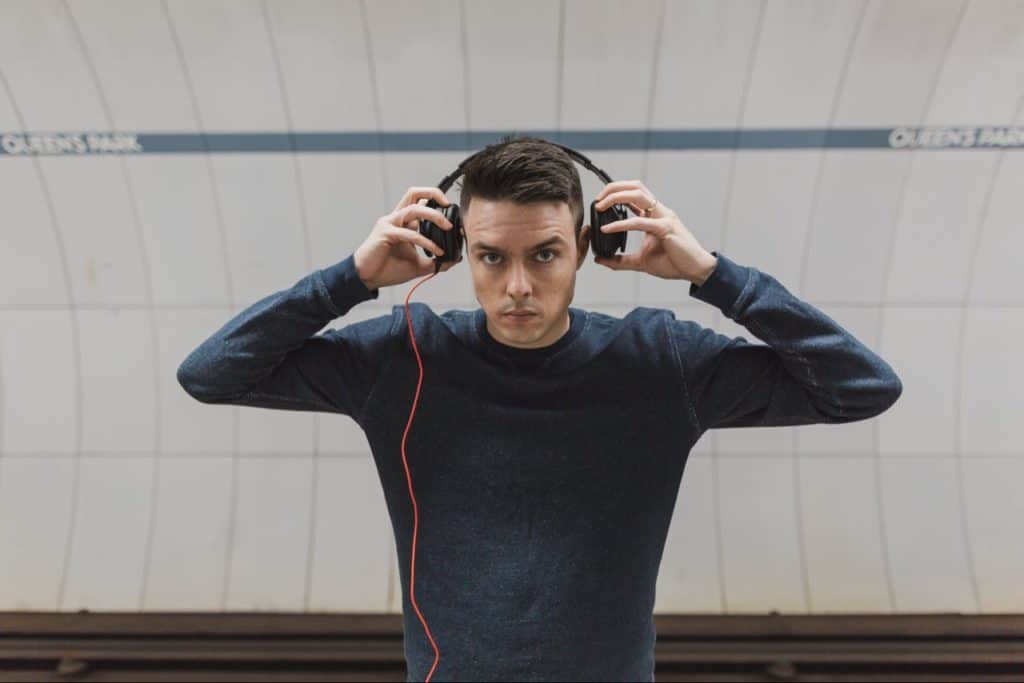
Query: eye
x,y
547,251
542,251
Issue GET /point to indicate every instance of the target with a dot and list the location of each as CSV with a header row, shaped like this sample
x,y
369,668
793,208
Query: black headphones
x,y
604,244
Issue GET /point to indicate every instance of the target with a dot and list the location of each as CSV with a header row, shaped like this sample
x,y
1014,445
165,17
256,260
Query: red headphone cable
x,y
408,477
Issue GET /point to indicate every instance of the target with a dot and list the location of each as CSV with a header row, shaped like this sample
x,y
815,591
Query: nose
x,y
519,284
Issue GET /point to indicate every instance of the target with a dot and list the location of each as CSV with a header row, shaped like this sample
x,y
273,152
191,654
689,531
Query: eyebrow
x,y
546,243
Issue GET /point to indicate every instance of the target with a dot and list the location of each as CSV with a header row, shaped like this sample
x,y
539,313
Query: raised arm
x,y
811,371
270,355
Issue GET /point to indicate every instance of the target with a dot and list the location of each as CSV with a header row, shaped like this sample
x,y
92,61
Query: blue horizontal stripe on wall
x,y
33,143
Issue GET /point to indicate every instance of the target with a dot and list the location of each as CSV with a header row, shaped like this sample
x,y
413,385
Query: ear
x,y
583,245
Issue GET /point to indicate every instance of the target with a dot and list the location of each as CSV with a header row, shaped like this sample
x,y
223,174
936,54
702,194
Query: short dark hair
x,y
524,169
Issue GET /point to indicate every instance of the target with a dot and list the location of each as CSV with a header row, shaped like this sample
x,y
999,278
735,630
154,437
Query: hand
x,y
669,250
389,255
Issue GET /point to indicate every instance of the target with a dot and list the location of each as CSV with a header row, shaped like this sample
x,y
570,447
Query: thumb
x,y
429,264
618,261
426,264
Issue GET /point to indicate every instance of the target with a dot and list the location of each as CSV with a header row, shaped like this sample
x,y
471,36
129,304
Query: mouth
x,y
518,317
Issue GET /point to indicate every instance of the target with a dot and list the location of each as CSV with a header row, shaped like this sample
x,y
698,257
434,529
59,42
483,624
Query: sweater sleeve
x,y
811,370
270,355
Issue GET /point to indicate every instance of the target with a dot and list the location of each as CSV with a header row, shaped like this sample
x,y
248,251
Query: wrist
x,y
708,266
369,284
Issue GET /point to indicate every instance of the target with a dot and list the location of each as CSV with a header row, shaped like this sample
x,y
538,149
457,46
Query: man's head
x,y
516,196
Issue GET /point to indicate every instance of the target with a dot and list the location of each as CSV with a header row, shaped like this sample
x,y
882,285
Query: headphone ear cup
x,y
456,235
606,244
449,240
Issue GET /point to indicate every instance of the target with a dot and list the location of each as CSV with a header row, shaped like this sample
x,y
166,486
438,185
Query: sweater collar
x,y
527,359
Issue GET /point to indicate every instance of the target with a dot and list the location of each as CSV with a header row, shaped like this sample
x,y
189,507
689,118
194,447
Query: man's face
x,y
512,272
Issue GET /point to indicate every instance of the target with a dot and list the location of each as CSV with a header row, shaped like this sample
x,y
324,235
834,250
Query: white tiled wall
x,y
118,491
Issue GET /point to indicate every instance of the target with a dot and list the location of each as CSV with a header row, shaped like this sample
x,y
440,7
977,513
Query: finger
x,y
638,200
414,194
654,226
620,261
421,240
617,185
419,210
409,197
428,264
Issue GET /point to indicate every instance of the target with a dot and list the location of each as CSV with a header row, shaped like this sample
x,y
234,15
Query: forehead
x,y
507,225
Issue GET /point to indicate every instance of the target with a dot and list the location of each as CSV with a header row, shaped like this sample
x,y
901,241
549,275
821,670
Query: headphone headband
x,y
449,179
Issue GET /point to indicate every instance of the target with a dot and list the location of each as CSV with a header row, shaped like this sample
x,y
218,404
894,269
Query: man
x,y
546,450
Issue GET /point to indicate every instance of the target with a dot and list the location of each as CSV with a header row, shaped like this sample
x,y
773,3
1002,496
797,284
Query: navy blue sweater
x,y
545,478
